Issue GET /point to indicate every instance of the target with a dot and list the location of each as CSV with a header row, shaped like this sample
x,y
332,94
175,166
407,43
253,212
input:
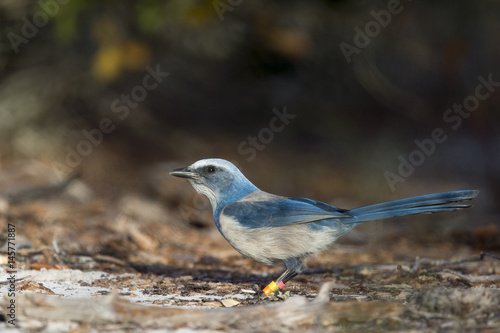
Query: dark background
x,y
87,138
62,65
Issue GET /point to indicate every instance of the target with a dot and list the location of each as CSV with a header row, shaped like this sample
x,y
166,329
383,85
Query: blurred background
x,y
319,99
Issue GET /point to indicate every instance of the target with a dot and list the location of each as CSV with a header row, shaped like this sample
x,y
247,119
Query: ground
x,y
138,262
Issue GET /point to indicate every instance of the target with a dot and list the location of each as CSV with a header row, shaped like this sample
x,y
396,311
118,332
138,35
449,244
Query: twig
x,y
494,256
481,256
101,257
463,277
482,309
17,280
33,251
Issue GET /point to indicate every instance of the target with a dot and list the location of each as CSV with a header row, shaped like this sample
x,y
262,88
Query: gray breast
x,y
268,245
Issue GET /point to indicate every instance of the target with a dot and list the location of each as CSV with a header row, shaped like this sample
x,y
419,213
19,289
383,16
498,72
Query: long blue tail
x,y
430,203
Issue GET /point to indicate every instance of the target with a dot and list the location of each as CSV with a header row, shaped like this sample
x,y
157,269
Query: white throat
x,y
209,193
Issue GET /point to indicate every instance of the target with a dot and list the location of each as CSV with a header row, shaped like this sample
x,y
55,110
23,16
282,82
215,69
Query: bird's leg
x,y
286,276
294,267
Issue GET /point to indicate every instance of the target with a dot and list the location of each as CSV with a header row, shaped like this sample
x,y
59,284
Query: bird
x,y
274,229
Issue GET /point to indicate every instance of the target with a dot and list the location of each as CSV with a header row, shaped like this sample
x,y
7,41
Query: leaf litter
x,y
137,262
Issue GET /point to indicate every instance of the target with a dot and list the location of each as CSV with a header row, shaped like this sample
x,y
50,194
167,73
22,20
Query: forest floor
x,y
139,263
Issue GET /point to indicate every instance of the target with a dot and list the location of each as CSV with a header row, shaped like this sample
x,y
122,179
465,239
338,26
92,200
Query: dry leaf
x,y
229,302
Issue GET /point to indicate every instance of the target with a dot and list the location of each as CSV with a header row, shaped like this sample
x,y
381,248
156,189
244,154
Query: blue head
x,y
221,181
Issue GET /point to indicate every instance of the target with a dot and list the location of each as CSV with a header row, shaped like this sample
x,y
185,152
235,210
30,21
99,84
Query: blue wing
x,y
281,212
260,209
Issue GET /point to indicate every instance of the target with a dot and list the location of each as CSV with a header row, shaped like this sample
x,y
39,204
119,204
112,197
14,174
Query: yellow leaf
x,y
108,62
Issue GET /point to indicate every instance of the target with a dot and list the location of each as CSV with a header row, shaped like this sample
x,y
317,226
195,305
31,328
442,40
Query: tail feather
x,y
430,203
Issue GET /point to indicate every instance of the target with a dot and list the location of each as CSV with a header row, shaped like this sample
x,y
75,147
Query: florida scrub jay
x,y
270,228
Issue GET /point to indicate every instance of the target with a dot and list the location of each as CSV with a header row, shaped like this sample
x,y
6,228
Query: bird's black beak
x,y
183,173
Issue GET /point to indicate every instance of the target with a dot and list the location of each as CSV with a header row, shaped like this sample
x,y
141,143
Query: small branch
x,y
419,261
105,258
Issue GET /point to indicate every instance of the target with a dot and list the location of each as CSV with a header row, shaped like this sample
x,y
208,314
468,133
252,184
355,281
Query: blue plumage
x,y
278,213
271,228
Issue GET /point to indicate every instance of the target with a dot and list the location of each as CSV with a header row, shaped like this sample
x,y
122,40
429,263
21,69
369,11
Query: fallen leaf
x,y
38,266
248,291
33,286
229,302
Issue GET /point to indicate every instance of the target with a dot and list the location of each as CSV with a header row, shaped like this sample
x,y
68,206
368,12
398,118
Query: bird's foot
x,y
271,287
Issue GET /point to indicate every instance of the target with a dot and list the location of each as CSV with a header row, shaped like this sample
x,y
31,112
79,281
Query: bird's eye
x,y
210,169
